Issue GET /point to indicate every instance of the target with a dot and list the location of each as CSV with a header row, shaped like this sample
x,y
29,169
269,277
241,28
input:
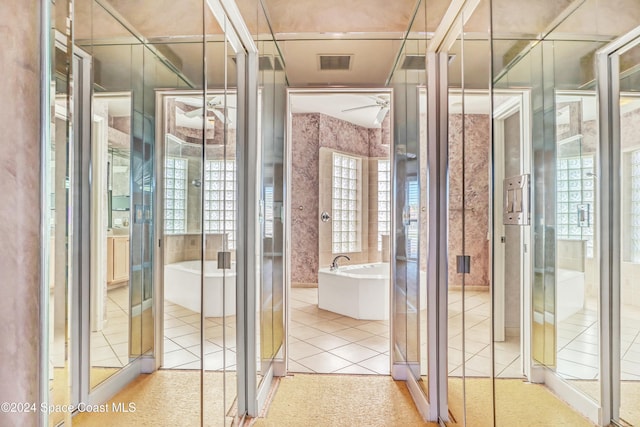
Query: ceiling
x,y
370,30
364,108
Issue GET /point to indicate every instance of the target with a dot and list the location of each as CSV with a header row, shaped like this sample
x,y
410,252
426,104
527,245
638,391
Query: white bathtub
x,y
359,291
182,287
569,293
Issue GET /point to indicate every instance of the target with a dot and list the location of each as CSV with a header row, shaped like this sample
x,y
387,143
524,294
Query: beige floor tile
x,y
376,343
296,367
356,369
354,352
301,349
378,364
305,332
177,358
327,342
324,362
179,331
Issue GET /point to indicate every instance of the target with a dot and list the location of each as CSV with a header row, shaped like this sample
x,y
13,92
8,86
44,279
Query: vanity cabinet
x,y
117,259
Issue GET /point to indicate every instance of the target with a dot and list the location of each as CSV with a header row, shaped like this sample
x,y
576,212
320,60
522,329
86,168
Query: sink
x,y
118,232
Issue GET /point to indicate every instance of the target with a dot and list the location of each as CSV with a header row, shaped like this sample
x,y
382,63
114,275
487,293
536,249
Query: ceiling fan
x,y
380,102
214,105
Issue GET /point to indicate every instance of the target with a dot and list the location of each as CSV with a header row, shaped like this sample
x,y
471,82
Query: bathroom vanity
x,y
117,260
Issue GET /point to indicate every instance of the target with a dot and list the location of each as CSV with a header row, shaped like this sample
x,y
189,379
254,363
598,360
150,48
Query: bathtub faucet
x,y
334,264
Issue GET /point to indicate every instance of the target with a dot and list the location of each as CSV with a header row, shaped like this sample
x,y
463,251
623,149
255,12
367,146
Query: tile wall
x,y
310,133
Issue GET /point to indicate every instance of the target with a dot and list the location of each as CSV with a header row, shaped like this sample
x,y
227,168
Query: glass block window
x,y
384,200
413,199
268,211
634,206
575,194
175,195
345,224
220,199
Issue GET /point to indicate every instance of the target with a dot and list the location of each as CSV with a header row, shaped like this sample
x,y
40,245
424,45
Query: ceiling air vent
x,y
335,62
265,63
414,62
278,64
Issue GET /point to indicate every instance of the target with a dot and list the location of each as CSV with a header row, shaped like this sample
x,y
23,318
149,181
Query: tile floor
x,y
578,340
182,335
324,342
110,346
477,339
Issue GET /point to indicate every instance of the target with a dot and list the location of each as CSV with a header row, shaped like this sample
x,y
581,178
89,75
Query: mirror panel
x,y
630,263
57,270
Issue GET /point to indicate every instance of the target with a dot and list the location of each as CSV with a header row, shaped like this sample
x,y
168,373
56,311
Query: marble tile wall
x,y
477,163
476,210
310,132
305,147
20,223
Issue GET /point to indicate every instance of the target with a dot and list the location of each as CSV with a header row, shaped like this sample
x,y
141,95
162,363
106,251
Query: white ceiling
x,y
370,30
334,104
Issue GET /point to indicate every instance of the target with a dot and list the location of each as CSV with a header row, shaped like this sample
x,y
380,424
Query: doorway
x,y
512,266
340,174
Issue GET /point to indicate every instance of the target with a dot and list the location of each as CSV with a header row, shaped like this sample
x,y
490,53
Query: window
x,y
346,232
413,200
220,199
575,199
268,211
175,195
633,209
384,200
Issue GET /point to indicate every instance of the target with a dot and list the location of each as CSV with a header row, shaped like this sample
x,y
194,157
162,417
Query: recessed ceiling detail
x,y
335,62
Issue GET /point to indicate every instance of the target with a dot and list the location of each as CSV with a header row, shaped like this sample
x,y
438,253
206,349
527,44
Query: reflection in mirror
x,y
59,254
409,286
630,226
110,286
577,283
469,298
270,293
200,194
340,145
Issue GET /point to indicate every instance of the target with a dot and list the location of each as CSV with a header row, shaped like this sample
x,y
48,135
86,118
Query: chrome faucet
x,y
334,264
